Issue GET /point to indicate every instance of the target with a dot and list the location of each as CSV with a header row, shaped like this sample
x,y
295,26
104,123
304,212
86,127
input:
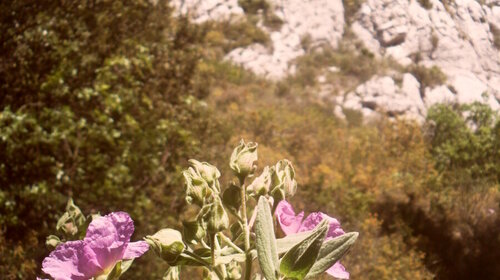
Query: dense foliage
x,y
97,101
105,101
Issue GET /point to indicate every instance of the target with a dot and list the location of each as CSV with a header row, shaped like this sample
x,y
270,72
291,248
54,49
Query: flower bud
x,y
196,189
283,178
216,218
201,182
193,231
261,184
167,244
52,241
233,270
207,172
72,220
243,158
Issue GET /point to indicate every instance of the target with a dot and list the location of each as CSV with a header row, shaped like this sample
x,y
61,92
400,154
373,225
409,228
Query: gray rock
x,y
457,39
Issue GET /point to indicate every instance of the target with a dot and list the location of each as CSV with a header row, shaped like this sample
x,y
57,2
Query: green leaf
x,y
232,197
330,252
298,261
119,268
286,243
193,231
227,259
265,241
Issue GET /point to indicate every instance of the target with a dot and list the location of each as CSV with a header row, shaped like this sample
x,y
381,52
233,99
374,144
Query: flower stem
x,y
212,248
230,243
246,233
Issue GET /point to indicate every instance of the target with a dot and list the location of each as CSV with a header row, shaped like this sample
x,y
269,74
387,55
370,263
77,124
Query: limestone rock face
x,y
320,20
383,95
458,38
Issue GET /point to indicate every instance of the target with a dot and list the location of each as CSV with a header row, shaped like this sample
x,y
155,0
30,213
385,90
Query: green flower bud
x,y
196,189
71,220
201,181
283,178
216,218
261,184
243,158
52,241
206,171
193,231
233,270
167,244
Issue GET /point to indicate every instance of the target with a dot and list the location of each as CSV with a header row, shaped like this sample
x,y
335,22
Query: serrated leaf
x,y
330,252
266,241
297,262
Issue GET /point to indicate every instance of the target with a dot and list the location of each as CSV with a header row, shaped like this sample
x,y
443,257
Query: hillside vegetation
x,y
108,110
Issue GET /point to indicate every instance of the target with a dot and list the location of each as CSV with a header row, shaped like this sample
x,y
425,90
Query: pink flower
x,y
291,223
107,241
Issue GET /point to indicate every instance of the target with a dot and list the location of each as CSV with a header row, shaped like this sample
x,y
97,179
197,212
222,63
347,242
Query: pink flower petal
x,y
135,250
104,240
311,221
108,237
65,262
338,271
289,222
123,223
315,218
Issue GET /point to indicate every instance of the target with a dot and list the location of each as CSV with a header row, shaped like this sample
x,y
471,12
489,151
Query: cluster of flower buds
x,y
202,182
212,239
276,181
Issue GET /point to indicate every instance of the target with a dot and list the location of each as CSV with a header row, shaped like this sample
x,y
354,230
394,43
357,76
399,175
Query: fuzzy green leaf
x,y
297,262
286,243
265,241
330,252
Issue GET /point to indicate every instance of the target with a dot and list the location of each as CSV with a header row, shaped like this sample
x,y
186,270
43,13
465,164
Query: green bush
x,y
98,102
253,6
231,35
427,77
465,146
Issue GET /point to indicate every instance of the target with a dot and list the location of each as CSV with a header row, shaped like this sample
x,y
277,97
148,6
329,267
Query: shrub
x,y
254,6
230,35
427,77
98,99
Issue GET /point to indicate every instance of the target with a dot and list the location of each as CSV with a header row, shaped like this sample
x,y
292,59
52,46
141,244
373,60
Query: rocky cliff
x,y
460,38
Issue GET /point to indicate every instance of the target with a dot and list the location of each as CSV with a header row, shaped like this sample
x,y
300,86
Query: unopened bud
x,y
261,184
167,244
243,159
